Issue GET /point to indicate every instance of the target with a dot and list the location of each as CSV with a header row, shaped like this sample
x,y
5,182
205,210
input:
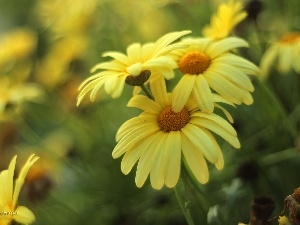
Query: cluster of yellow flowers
x,y
176,126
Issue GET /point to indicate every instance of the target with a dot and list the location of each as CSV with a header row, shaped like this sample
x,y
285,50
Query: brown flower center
x,y
290,38
194,63
170,121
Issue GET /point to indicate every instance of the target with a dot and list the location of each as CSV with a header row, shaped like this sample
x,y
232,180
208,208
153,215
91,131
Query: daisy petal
x,y
203,95
117,56
159,91
145,163
144,103
24,215
132,156
220,163
225,45
165,41
173,153
182,92
223,128
130,124
195,160
199,138
284,59
157,173
134,52
133,137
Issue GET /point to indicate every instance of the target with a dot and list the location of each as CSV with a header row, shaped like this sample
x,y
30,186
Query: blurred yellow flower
x,y
283,220
16,44
9,194
54,68
66,17
159,136
149,57
229,14
284,53
14,93
207,65
152,12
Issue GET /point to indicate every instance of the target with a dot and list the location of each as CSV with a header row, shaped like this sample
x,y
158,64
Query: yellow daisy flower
x,y
159,138
229,14
149,57
285,53
207,65
9,193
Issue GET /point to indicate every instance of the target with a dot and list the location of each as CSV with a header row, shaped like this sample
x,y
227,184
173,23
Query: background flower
x,y
285,53
207,65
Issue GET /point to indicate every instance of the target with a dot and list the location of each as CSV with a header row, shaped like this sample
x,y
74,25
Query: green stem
x,y
279,108
194,186
147,91
184,210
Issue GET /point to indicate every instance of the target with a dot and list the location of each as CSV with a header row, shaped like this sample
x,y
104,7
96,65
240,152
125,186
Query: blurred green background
x,y
76,181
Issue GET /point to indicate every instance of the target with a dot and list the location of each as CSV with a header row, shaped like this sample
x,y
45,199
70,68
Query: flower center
x,y
170,121
194,63
139,79
290,38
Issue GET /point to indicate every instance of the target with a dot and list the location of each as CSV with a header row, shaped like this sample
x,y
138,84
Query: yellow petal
x,y
284,59
19,182
225,45
134,69
24,215
218,129
195,160
161,43
146,160
267,61
132,156
132,123
233,75
199,138
134,52
157,173
227,89
134,137
203,95
159,91
220,163
145,104
116,55
6,181
182,92
173,155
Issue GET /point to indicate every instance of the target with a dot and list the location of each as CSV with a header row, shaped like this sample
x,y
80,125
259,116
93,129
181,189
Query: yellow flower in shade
x,y
9,193
207,65
283,220
150,57
159,139
228,16
285,53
